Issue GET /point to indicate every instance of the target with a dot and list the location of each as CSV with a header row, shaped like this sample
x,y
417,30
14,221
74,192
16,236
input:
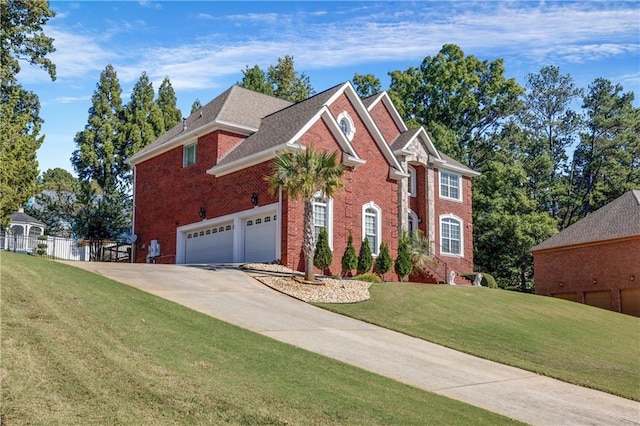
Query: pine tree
x,y
322,256
382,264
280,80
167,103
143,117
403,266
365,259
102,152
349,259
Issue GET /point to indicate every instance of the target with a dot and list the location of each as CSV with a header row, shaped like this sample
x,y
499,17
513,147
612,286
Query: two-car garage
x,y
252,237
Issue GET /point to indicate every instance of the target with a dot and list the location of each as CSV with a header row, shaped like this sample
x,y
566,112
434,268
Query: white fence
x,y
57,247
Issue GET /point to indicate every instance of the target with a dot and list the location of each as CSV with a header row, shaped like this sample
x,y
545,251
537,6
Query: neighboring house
x,y
22,234
596,260
200,193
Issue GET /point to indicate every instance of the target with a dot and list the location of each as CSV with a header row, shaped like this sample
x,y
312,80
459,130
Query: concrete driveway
x,y
233,296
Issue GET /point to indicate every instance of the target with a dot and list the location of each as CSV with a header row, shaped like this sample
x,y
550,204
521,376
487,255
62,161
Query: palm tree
x,y
303,174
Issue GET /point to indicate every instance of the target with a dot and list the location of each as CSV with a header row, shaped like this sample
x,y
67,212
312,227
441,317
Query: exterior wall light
x,y
203,213
254,199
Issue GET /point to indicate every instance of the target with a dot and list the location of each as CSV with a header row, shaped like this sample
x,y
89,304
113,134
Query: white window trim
x,y
459,176
329,204
412,181
461,222
352,128
184,153
372,205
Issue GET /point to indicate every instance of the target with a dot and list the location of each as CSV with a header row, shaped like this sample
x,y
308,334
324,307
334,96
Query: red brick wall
x,y
169,195
574,270
385,123
368,182
462,210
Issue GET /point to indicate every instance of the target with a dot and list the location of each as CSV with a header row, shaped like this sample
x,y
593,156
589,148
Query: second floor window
x,y
189,154
450,186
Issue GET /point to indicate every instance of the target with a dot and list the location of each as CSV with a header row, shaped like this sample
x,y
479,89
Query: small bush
x,y
403,266
322,257
349,259
41,250
370,278
383,262
487,280
365,259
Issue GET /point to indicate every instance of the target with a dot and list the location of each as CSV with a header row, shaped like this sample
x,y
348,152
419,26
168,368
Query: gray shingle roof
x,y
235,105
618,219
281,126
21,217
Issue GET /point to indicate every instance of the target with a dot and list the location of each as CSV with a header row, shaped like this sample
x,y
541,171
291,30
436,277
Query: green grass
x,y
572,342
78,348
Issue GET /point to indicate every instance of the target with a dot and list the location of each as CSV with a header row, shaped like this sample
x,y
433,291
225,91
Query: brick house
x,y
596,260
200,194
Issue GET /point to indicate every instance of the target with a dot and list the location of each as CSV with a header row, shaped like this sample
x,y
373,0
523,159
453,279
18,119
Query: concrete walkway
x,y
233,296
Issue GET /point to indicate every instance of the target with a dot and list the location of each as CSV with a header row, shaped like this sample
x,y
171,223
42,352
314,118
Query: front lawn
x,y
572,342
78,348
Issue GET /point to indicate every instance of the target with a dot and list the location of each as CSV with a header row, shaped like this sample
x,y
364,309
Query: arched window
x,y
346,125
451,241
372,226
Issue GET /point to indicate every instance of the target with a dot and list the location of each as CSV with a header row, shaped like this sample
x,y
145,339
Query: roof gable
x,y
282,129
618,219
236,109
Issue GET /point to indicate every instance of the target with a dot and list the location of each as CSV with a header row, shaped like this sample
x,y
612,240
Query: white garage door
x,y
213,244
260,238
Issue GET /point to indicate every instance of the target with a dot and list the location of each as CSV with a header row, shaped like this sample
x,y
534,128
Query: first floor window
x,y
371,218
320,215
189,156
451,236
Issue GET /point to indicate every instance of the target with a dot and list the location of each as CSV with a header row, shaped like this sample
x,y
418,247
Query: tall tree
x,y
144,120
303,174
551,127
366,85
606,162
280,80
167,102
507,222
21,39
102,147
459,99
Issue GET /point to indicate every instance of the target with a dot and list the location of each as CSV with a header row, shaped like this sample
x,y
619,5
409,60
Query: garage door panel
x,y
213,244
260,238
630,301
600,299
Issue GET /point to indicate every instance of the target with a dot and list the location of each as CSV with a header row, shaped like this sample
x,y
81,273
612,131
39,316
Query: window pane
x,y
450,239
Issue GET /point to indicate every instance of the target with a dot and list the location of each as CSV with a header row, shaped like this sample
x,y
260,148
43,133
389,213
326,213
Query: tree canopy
x,y
280,80
22,38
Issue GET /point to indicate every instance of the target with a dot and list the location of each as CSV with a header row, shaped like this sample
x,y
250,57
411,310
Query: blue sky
x,y
202,46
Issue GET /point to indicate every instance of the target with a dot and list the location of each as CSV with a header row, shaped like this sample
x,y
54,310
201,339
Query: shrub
x,y
383,262
322,257
370,278
349,259
487,280
42,245
365,259
403,265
